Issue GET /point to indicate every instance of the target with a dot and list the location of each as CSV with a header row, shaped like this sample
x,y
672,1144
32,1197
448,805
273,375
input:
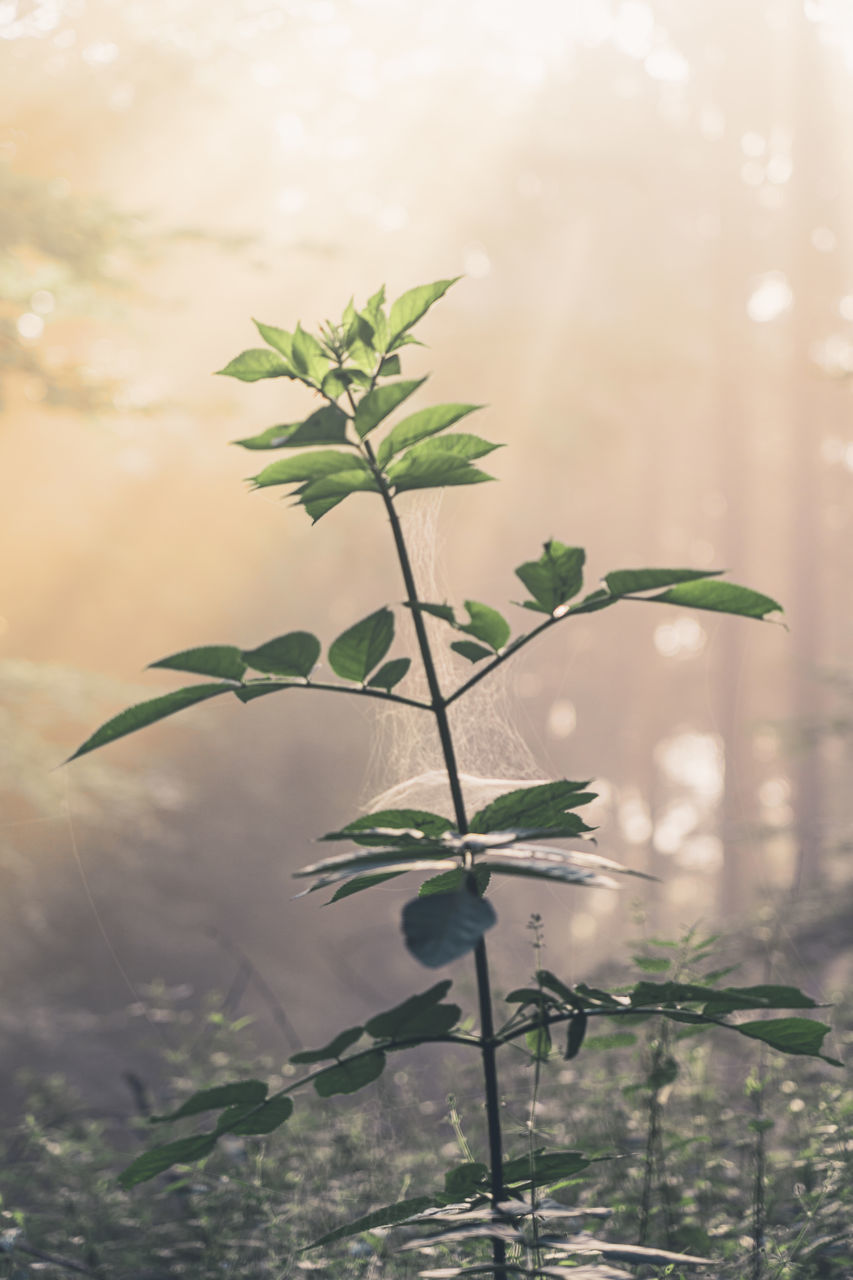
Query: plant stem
x,y
439,708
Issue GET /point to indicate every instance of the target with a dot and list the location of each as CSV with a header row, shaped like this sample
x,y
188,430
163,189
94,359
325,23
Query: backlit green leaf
x,y
721,597
532,808
555,577
223,660
413,304
361,648
360,883
486,624
321,495
252,689
379,828
377,404
351,1075
622,581
307,356
444,926
294,654
390,674
280,339
546,1167
465,1180
242,1092
325,426
333,1049
308,466
158,1159
436,472
426,422
145,713
257,363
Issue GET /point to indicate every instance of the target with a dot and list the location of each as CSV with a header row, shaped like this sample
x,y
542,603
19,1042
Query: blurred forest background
x,y
651,203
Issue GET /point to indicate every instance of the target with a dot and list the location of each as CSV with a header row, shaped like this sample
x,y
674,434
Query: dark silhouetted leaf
x,y
547,1167
377,404
577,1031
260,688
553,983
532,808
360,883
390,674
444,926
351,1075
413,304
158,1159
359,649
790,1035
221,660
257,363
624,581
555,577
294,654
387,1217
325,426
313,465
426,422
422,1015
145,713
334,1049
264,1119
721,597
241,1093
473,652
465,1180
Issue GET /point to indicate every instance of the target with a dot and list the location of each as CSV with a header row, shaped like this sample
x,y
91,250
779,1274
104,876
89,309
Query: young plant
x,y
354,367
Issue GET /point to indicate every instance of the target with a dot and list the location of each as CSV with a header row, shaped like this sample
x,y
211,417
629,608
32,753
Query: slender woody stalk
x,y
439,708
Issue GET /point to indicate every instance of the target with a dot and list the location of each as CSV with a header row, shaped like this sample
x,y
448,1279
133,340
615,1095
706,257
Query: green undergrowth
x,y
677,1127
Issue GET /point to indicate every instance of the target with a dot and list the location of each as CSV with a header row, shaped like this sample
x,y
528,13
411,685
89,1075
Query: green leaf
x,y
721,1001
486,624
380,828
444,926
576,1034
334,1049
325,426
263,1119
223,660
621,582
462,447
307,356
360,883
377,404
422,1015
538,1043
313,465
257,363
413,304
280,339
616,1040
336,383
473,652
321,495
533,808
790,1035
260,688
386,1217
443,611
553,983
390,674
426,422
721,597
652,964
438,472
359,649
547,1167
294,654
241,1093
351,1075
390,367
465,1180
158,1159
555,577
449,881
145,713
